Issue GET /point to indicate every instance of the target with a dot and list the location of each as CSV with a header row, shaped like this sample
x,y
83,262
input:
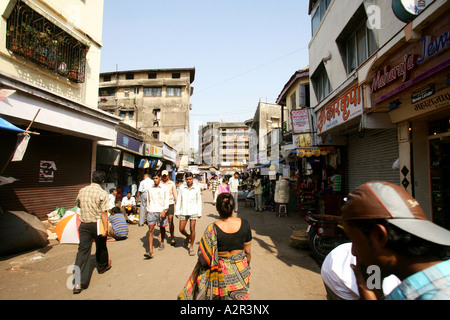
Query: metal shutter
x,y
72,157
371,157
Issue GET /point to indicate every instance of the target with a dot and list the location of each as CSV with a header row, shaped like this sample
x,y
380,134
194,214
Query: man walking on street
x,y
94,205
144,186
234,189
258,193
214,184
189,208
157,207
172,200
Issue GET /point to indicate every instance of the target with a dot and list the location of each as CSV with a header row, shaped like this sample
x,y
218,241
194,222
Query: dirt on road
x,y
279,272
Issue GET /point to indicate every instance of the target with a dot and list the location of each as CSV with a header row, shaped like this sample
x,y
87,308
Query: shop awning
x,y
9,126
314,152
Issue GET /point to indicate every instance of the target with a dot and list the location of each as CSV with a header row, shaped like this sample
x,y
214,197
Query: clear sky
x,y
244,51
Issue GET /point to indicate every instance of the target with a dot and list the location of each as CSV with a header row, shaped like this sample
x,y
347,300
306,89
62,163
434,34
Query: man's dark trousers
x,y
88,232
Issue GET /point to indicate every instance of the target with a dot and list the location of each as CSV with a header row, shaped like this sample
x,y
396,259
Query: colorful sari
x,y
216,277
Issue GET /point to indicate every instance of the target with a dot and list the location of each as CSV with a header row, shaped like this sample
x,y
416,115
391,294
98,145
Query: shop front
x,y
59,155
412,85
120,160
365,146
158,157
320,177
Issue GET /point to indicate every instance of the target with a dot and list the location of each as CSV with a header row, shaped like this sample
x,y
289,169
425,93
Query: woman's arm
x,y
248,252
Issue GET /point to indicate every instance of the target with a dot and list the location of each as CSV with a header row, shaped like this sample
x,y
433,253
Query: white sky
x,y
243,51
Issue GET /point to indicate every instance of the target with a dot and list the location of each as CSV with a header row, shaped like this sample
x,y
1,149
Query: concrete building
x,y
155,101
224,146
49,65
265,133
296,113
379,74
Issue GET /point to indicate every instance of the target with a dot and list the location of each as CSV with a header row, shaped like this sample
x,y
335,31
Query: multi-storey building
x,y
155,101
379,73
49,66
224,146
296,112
265,133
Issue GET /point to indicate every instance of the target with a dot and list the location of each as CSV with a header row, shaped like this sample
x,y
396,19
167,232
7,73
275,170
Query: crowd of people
x,y
390,235
225,243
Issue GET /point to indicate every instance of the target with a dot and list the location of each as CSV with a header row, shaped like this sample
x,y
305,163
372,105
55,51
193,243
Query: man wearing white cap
x,y
391,233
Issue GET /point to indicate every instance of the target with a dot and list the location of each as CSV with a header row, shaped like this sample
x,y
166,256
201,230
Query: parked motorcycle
x,y
325,232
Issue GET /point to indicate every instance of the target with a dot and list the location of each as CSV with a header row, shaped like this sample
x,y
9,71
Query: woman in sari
x,y
223,268
223,187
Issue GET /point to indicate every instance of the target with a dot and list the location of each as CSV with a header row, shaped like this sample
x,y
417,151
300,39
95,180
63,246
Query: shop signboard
x,y
128,143
347,106
437,101
169,153
153,151
128,160
408,10
315,152
300,121
411,68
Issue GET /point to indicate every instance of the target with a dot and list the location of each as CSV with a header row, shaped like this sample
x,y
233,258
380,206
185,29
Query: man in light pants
x,y
258,193
234,189
145,185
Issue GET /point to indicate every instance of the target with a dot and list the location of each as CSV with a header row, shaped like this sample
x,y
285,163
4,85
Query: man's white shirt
x,y
189,201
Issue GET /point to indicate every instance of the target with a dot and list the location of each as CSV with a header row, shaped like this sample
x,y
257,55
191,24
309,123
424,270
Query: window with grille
x,y
152,92
35,38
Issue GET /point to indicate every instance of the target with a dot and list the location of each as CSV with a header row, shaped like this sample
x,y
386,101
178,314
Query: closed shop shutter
x,y
72,158
370,158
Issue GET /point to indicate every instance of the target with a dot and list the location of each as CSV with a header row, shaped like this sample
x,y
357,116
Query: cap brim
x,y
424,229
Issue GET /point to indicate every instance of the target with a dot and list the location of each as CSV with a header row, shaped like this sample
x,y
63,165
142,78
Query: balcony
x,y
35,38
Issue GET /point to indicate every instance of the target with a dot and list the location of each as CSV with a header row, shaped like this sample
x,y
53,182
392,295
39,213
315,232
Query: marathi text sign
x,y
300,121
348,106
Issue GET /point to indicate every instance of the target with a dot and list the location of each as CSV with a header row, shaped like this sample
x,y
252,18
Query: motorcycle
x,y
325,232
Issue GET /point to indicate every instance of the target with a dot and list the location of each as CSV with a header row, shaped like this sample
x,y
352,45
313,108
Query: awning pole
x,y
26,131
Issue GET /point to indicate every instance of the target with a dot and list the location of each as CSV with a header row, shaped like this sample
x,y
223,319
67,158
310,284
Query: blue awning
x,y
9,126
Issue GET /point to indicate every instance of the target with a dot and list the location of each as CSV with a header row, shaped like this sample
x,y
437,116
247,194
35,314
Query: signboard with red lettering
x,y
346,107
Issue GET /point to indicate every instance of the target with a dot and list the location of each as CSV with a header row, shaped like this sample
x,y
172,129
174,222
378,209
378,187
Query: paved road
x,y
279,272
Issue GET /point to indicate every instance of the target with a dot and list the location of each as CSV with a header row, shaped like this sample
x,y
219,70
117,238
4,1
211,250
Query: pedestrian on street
x,y
258,193
173,194
392,234
214,184
94,205
112,198
189,208
157,207
144,186
223,187
234,189
223,268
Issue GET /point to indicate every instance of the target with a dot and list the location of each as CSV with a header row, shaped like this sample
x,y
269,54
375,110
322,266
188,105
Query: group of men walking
x,y
161,200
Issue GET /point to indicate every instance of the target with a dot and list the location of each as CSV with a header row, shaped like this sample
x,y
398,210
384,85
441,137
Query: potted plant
x,y
73,70
14,43
29,40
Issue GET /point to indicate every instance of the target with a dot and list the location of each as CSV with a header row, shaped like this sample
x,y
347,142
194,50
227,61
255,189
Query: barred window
x,y
35,38
152,92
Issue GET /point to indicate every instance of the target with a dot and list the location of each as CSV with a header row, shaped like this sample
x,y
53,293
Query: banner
x,y
21,147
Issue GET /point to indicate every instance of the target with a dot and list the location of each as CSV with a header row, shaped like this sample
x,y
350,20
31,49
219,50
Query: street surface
x,y
279,272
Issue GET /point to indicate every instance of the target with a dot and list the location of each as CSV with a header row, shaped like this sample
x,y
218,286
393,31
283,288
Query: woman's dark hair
x,y
98,177
402,242
225,205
